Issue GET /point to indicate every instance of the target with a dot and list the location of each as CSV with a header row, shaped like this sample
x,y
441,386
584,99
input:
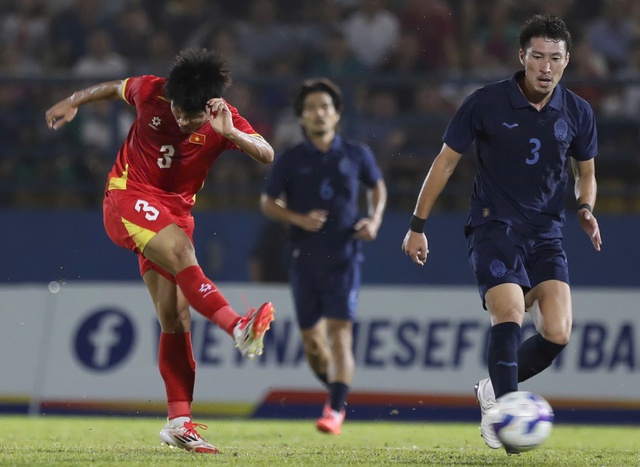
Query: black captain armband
x,y
586,206
417,224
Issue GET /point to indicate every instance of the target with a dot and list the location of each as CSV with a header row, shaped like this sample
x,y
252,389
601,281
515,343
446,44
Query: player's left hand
x,y
589,224
416,246
366,229
220,116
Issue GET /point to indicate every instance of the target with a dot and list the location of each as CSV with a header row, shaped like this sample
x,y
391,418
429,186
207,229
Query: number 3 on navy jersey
x,y
167,151
534,151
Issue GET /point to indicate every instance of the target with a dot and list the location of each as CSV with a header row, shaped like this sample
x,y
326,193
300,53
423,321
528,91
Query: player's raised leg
x,y
173,251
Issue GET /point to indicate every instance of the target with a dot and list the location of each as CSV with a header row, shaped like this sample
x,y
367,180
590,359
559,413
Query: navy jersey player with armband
x,y
314,187
530,132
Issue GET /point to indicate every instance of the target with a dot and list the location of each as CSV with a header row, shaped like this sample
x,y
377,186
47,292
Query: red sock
x,y
204,297
178,370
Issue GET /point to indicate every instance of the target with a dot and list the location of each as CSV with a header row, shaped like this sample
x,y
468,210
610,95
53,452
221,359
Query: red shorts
x,y
132,218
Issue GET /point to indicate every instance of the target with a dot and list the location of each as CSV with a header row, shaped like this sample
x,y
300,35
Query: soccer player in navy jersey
x,y
314,187
530,132
182,125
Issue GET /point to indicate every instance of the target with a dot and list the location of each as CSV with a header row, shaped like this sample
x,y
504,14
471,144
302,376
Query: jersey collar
x,y
518,101
335,144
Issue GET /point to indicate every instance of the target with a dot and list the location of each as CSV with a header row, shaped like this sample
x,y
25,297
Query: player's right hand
x,y
416,246
60,114
313,220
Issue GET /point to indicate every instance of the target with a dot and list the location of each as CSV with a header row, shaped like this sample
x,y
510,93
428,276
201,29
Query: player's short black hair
x,y
316,85
196,76
547,26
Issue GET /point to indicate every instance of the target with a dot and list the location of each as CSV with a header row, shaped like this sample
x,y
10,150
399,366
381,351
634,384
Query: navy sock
x,y
504,341
535,355
323,378
338,393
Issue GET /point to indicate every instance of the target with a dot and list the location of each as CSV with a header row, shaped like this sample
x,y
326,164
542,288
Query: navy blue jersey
x,y
522,154
310,179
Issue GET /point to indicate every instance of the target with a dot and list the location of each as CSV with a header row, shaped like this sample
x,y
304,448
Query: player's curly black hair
x,y
196,76
316,85
547,26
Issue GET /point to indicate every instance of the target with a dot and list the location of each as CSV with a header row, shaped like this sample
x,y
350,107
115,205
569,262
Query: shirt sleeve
x,y
132,90
460,132
370,172
585,145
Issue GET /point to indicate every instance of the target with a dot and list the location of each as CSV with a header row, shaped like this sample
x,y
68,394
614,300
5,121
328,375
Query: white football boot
x,y
487,399
182,434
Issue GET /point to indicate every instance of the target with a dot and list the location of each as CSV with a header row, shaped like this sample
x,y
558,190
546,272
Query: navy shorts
x,y
499,255
326,292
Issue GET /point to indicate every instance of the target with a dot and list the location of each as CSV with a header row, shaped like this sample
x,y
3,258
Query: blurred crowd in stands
x,y
404,66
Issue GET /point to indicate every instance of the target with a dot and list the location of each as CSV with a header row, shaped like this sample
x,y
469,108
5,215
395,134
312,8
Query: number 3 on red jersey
x,y
167,151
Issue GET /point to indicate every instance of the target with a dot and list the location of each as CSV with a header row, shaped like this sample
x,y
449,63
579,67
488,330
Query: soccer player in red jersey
x,y
183,124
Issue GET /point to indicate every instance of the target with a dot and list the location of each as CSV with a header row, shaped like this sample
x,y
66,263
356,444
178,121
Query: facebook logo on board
x,y
104,339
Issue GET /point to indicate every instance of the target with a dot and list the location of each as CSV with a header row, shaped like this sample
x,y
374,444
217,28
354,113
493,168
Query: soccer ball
x,y
522,420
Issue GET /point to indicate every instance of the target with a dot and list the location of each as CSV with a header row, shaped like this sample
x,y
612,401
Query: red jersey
x,y
159,158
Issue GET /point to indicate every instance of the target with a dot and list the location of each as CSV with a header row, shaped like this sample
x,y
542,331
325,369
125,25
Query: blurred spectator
x,y
371,31
190,22
262,37
380,127
53,7
70,28
611,33
268,44
104,126
159,56
406,56
335,59
26,29
15,64
435,24
225,42
100,60
586,64
630,92
13,115
578,14
498,32
320,21
243,97
132,34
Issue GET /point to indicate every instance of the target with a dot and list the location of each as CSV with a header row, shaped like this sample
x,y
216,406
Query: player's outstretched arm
x,y
66,110
415,243
585,190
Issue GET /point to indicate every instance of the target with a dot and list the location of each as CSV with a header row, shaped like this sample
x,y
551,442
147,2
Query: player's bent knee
x,y
560,336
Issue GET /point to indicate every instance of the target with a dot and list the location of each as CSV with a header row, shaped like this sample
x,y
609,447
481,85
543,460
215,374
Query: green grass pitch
x,y
97,441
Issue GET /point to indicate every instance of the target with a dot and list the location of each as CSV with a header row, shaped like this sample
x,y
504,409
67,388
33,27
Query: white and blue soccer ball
x,y
522,420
